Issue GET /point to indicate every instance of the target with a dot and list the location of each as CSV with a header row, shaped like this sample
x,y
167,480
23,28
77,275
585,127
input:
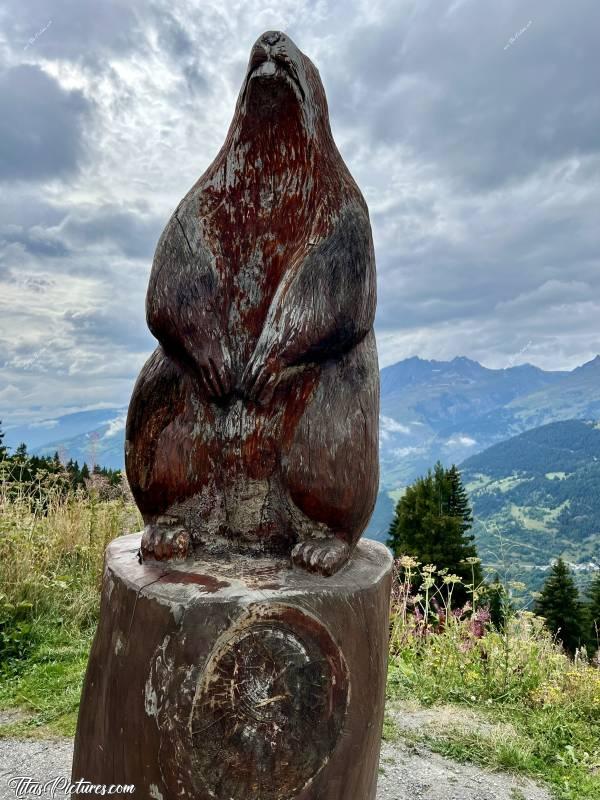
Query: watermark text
x,y
25,786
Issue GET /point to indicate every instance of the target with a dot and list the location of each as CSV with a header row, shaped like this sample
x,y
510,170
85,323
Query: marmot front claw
x,y
163,542
325,556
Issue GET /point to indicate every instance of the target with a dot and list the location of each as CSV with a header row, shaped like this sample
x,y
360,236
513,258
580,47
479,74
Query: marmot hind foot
x,y
325,556
164,542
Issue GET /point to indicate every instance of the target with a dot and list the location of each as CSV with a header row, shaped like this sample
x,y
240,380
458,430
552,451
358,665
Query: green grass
x,y
539,711
47,685
542,750
552,746
390,729
51,559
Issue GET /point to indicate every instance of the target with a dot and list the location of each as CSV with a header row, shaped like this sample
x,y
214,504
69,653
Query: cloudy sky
x,y
472,127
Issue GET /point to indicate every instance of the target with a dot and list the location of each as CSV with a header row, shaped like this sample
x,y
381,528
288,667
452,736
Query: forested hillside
x,y
451,410
537,496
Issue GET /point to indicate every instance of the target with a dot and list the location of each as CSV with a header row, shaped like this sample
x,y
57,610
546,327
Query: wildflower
x,y
518,586
452,579
477,627
407,562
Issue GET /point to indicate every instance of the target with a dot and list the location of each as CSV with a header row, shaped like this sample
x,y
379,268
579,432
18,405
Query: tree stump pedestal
x,y
236,678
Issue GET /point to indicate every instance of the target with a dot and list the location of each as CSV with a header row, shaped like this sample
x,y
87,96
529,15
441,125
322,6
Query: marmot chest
x,y
260,235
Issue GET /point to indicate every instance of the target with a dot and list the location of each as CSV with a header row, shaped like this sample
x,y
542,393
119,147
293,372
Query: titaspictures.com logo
x,y
24,786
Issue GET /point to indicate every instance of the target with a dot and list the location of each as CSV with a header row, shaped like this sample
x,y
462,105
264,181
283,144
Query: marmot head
x,y
280,136
281,81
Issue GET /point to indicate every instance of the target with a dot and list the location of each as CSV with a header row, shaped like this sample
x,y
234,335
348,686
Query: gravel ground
x,y
413,773
39,759
406,773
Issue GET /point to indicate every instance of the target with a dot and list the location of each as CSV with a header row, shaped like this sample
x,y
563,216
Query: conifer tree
x,y
431,524
21,451
458,501
593,609
560,606
3,452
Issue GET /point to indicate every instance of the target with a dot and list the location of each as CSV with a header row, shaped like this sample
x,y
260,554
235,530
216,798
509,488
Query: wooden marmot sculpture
x,y
254,423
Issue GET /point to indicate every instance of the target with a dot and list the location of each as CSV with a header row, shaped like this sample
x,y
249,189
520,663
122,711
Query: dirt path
x,y
40,759
406,773
410,772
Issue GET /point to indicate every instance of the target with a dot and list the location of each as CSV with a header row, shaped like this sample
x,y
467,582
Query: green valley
x,y
536,496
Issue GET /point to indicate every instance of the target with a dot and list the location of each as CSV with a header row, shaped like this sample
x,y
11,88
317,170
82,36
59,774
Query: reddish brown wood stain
x,y
209,583
238,693
255,420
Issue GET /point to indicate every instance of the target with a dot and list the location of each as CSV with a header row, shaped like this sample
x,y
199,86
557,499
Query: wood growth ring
x,y
269,707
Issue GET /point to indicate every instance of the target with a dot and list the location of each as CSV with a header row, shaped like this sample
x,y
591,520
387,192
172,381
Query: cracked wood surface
x,y
253,425
237,677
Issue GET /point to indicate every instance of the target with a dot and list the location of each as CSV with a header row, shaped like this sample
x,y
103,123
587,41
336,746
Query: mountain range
x,y
95,436
430,410
451,410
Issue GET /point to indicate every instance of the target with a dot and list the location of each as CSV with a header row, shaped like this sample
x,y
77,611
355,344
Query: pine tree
x,y
3,451
458,501
593,609
560,606
21,451
431,523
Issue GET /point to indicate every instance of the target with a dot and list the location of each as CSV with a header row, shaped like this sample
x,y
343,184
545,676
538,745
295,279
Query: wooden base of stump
x,y
236,678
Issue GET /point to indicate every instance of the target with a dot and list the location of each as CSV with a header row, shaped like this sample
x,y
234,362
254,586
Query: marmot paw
x,y
324,556
164,542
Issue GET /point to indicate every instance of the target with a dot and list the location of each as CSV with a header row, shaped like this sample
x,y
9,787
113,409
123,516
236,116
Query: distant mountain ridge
x,y
430,410
450,410
524,438
85,436
447,409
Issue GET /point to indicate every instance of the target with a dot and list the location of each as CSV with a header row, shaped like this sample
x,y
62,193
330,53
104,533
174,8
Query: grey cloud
x,y
118,325
81,30
135,234
172,35
36,240
186,54
41,126
480,166
445,86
